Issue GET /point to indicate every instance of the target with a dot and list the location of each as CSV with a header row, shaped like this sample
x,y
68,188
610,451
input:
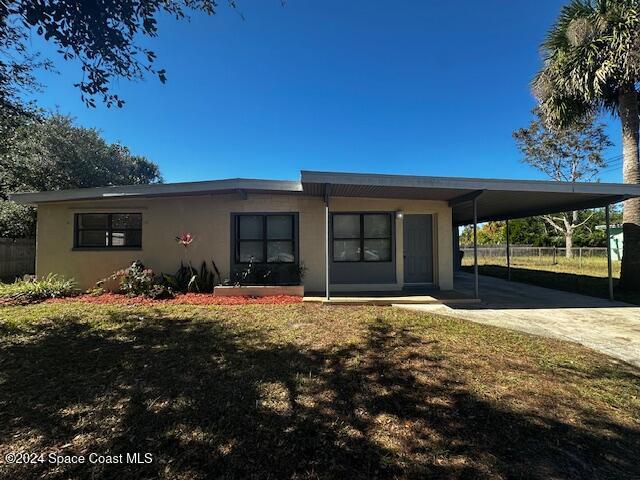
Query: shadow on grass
x,y
568,282
210,402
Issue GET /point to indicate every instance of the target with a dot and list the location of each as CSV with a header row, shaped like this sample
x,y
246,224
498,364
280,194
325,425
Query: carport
x,y
473,200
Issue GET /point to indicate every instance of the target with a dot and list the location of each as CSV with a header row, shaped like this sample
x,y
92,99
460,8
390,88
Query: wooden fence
x,y
17,257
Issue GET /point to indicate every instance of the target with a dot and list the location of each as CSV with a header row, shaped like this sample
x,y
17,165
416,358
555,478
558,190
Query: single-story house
x,y
361,232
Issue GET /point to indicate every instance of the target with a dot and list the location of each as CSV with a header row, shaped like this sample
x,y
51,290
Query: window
x,y
362,237
108,230
265,238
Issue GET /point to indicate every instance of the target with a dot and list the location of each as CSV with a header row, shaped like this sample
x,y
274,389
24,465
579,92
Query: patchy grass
x,y
588,266
305,392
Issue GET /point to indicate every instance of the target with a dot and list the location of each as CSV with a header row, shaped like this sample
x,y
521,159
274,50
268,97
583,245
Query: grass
x,y
587,276
589,266
306,392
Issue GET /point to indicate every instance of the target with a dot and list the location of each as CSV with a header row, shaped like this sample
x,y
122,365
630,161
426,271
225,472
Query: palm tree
x,y
592,64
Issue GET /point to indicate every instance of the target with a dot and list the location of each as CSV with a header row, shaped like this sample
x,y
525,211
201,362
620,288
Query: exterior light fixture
x,y
399,214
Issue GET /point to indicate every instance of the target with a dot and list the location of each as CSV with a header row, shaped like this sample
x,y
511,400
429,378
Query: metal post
x,y
608,222
326,246
508,255
580,253
327,239
475,246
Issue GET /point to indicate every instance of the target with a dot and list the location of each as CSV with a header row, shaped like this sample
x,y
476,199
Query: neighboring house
x,y
370,232
616,239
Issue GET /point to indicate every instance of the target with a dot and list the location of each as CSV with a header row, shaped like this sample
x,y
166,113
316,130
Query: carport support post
x,y
327,192
608,222
508,254
475,245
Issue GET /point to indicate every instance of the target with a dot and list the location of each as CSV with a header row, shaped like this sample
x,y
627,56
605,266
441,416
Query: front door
x,y
418,249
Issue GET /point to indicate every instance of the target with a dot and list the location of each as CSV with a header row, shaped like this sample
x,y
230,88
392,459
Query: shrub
x,y
160,292
188,279
138,280
32,290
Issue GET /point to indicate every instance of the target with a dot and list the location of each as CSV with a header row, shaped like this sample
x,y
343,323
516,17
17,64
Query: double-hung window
x,y
265,238
108,230
362,237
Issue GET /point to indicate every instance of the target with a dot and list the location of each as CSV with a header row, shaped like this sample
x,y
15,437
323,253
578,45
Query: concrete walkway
x,y
610,327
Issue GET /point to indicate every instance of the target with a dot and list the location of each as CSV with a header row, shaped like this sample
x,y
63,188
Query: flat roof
x,y
228,185
497,199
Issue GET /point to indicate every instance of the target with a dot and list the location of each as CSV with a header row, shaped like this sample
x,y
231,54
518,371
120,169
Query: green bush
x,y
189,279
136,279
32,290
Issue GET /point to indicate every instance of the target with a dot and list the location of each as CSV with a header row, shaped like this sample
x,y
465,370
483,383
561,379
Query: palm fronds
x,y
589,55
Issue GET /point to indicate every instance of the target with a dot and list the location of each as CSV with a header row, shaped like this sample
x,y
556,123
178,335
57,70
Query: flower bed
x,y
181,299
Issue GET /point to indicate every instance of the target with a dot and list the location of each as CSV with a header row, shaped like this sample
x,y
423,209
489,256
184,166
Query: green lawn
x,y
305,392
589,266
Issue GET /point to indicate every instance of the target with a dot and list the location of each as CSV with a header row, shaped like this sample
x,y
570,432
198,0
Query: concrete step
x,y
386,301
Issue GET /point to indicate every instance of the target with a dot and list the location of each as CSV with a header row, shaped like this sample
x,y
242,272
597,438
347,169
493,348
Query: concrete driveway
x,y
610,327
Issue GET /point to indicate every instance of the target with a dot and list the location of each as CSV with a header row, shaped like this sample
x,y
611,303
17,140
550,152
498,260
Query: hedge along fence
x,y
17,257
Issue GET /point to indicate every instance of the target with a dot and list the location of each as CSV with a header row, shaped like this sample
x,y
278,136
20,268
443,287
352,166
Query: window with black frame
x,y
362,237
265,238
108,230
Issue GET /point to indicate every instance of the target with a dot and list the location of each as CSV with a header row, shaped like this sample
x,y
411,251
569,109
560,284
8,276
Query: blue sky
x,y
408,87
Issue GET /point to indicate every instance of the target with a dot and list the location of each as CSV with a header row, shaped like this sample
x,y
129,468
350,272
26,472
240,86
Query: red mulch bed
x,y
182,299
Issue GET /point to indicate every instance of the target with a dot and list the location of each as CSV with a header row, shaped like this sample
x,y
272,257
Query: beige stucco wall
x,y
208,218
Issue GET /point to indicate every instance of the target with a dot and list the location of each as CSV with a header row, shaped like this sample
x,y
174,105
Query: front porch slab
x,y
398,298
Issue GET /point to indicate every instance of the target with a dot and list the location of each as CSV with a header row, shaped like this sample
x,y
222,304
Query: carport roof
x,y
497,199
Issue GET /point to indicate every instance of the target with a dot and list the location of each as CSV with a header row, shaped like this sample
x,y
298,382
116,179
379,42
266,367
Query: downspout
x,y
327,193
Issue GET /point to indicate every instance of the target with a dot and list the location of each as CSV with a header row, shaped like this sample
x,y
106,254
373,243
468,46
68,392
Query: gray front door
x,y
418,249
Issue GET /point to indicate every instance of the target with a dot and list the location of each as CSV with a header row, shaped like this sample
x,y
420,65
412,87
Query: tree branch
x,y
550,221
582,223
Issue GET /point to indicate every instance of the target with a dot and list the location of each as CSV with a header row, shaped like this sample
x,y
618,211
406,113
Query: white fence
x,y
17,257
